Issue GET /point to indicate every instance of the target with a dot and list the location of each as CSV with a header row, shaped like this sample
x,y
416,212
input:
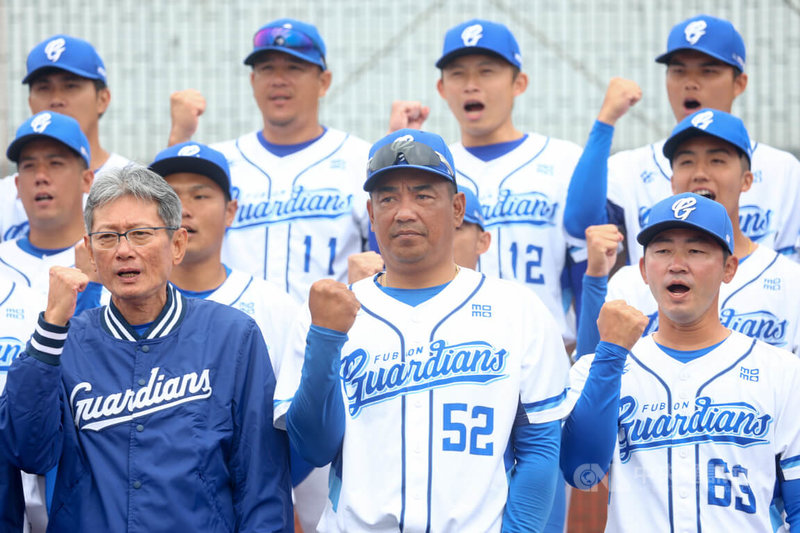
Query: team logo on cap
x,y
189,151
695,30
683,208
54,49
402,142
40,122
472,34
703,120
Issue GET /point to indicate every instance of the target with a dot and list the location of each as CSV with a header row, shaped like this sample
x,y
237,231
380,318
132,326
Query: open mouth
x,y
43,196
706,193
128,273
677,288
473,106
691,103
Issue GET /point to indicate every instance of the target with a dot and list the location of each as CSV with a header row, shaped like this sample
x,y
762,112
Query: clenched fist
x,y
602,242
65,284
332,305
363,265
621,324
407,114
185,108
621,95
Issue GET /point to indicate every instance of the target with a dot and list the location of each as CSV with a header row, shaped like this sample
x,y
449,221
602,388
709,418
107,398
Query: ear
x,y
440,87
230,212
86,243
459,208
739,84
369,212
325,78
103,99
729,270
520,83
747,181
484,241
252,78
179,240
642,270
87,177
672,185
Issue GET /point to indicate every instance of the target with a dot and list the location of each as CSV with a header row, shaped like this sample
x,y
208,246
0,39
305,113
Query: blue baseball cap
x,y
290,36
196,158
66,53
407,148
479,36
709,122
689,210
710,35
50,125
473,212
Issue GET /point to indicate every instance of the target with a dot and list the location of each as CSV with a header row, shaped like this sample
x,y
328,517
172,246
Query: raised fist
x,y
621,324
332,305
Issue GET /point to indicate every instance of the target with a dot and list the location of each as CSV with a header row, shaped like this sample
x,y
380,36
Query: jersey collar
x,y
169,319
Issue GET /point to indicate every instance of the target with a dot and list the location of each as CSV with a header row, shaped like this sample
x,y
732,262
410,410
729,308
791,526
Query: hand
x,y
621,324
621,95
185,108
363,265
332,305
84,263
65,284
407,114
601,247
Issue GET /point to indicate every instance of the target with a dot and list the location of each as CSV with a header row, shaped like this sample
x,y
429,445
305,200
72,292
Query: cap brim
x,y
195,165
470,50
646,235
67,68
664,58
16,146
250,59
370,183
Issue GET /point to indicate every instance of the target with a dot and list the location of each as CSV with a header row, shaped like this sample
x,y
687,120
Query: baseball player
x,y
417,381
520,178
52,156
705,61
19,306
695,422
66,75
154,423
297,183
709,153
200,177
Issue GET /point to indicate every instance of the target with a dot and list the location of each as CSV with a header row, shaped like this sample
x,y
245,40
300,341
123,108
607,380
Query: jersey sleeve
x,y
545,367
787,240
787,423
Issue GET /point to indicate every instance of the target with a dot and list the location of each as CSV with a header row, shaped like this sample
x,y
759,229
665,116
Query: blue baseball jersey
x,y
522,194
301,215
164,431
431,396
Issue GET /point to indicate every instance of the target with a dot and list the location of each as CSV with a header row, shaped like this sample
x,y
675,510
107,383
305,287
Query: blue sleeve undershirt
x,y
315,421
588,188
791,501
593,296
532,483
590,432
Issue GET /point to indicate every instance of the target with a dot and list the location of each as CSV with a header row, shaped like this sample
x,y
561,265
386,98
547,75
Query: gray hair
x,y
139,182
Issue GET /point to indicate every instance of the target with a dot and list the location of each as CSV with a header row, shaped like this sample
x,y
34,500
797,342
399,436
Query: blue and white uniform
x,y
522,194
13,220
165,430
300,215
25,264
431,396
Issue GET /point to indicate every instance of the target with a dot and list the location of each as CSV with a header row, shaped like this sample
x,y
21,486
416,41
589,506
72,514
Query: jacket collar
x,y
168,320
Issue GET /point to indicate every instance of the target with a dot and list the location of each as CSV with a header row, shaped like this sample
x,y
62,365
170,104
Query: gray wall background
x,y
382,50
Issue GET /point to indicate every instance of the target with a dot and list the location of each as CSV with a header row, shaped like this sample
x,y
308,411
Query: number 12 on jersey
x,y
533,254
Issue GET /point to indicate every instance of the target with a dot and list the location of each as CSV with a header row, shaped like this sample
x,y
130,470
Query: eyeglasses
x,y
411,152
107,240
288,37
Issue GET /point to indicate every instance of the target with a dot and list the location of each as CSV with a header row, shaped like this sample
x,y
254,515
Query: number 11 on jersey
x,y
307,258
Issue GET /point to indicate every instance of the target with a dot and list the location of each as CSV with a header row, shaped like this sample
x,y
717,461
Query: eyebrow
x,y
49,155
719,150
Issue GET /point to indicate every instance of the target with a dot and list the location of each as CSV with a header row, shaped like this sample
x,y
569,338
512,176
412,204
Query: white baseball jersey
x,y
30,270
19,308
300,215
13,220
768,214
522,195
698,441
762,300
273,310
431,395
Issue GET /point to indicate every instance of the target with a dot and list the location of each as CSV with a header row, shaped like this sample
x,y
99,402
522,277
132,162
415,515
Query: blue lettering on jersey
x,y
755,222
748,374
772,284
16,231
738,424
652,324
647,176
644,216
761,325
302,204
470,362
521,208
15,313
10,348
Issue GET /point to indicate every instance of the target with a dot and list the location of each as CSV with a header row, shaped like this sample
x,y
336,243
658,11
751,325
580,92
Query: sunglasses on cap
x,y
410,152
285,37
